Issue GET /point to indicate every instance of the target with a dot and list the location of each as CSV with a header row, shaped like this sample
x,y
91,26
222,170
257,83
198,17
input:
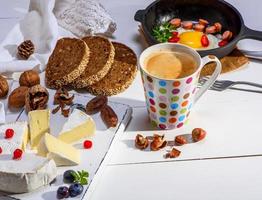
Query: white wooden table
x,y
227,165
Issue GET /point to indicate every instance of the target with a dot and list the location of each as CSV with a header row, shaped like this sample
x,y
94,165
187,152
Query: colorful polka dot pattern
x,y
169,102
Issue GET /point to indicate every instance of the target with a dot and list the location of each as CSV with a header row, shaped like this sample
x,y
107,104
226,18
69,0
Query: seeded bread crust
x,y
67,62
121,74
102,54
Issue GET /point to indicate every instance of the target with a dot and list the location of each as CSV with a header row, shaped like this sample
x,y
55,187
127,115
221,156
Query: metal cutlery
x,y
252,54
221,85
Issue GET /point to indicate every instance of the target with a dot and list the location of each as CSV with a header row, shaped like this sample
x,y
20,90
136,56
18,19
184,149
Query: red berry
x,y
174,39
175,34
1,150
9,133
17,154
88,144
204,41
222,43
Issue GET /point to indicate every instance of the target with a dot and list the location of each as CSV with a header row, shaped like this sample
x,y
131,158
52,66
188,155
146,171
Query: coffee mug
x,y
169,101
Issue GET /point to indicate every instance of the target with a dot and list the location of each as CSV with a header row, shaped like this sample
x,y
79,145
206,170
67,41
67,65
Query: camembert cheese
x,y
27,174
78,126
39,125
63,154
19,139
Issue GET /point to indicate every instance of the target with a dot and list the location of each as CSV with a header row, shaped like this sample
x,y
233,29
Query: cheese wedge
x,y
78,126
27,174
19,139
62,153
39,125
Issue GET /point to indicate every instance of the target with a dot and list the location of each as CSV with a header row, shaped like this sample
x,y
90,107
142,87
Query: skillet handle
x,y
252,34
139,15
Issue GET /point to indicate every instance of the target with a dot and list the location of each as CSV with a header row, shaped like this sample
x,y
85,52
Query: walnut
x,y
141,142
25,49
36,98
29,78
158,142
4,88
16,99
63,99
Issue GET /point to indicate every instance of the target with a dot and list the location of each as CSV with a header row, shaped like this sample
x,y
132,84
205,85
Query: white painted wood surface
x,y
228,117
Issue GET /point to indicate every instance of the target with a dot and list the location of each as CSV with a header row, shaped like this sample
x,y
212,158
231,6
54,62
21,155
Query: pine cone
x,y
26,49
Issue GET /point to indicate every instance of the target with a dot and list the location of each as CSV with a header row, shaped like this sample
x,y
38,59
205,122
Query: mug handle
x,y
213,77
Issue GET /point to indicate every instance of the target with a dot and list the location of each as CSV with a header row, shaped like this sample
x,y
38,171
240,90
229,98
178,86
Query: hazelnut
x,y
158,142
198,134
141,142
16,99
174,153
36,98
180,140
29,78
4,88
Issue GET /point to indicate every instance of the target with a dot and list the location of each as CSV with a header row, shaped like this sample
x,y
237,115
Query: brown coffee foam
x,y
235,60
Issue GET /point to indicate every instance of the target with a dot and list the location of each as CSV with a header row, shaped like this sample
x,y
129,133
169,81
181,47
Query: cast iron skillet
x,y
211,10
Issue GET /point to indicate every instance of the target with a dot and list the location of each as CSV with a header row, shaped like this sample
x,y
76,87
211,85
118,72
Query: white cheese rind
x,y
27,174
19,139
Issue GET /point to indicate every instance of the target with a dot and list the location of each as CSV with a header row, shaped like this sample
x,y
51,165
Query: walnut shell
x,y
16,99
29,78
4,88
36,98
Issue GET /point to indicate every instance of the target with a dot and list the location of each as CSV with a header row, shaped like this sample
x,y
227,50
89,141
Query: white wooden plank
x,y
234,179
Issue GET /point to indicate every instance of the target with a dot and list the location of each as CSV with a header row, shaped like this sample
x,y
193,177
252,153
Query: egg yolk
x,y
191,38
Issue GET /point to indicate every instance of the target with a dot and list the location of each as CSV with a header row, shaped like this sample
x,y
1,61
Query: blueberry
x,y
62,192
68,177
75,189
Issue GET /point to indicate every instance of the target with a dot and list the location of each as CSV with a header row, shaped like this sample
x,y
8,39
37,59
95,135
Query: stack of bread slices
x,y
100,66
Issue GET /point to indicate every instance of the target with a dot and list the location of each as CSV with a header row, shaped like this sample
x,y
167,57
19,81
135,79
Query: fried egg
x,y
192,39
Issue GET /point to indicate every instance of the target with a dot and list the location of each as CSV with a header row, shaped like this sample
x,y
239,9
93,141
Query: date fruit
x,y
16,99
96,104
198,134
109,116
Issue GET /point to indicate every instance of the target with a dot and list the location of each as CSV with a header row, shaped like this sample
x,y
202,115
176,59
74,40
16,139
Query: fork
x,y
221,85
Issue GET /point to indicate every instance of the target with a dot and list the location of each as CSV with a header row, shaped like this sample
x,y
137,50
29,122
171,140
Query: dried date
x,y
96,104
109,116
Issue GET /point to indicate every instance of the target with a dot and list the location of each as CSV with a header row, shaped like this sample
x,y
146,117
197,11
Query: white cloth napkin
x,y
2,113
39,26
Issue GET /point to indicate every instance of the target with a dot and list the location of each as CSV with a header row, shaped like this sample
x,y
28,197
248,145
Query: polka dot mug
x,y
169,101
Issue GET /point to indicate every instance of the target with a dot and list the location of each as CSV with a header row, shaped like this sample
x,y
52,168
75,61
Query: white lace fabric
x,y
85,17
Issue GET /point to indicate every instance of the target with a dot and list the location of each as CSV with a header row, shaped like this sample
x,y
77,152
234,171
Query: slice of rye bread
x,y
121,74
67,62
102,54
